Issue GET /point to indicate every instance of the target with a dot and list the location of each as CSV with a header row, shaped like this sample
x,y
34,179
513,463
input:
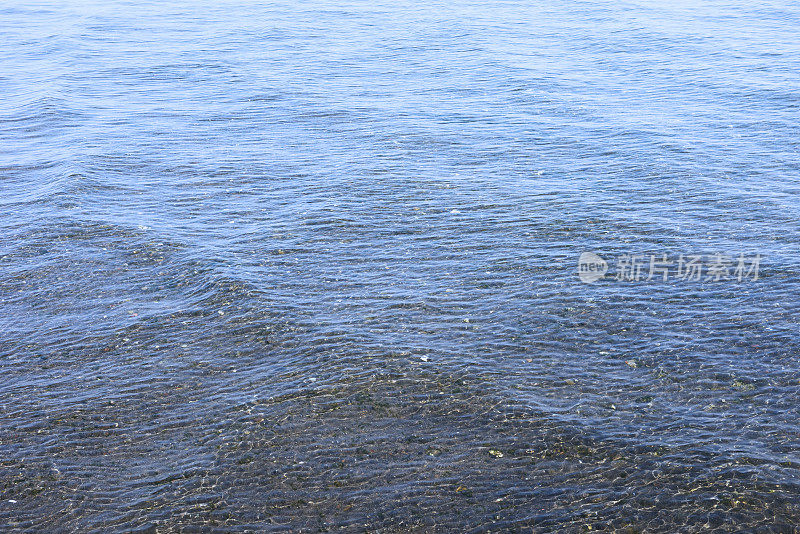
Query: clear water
x,y
312,266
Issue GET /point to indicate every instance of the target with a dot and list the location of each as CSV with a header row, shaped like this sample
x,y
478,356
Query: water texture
x,y
311,266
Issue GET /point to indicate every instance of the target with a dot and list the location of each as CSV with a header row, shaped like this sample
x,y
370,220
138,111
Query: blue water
x,y
311,266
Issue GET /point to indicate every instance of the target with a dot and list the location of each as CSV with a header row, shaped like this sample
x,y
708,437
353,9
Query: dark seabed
x,y
305,266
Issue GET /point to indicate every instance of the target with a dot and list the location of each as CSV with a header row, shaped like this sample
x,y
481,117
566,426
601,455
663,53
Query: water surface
x,y
312,266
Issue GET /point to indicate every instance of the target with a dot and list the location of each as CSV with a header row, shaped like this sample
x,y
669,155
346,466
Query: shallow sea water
x,y
311,266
